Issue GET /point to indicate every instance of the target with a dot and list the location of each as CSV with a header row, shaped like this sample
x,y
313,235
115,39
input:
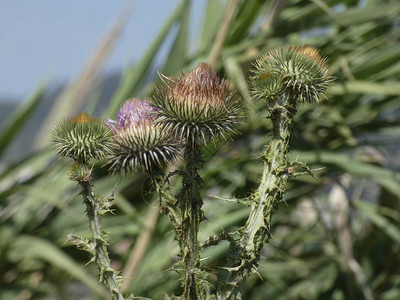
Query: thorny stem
x,y
256,232
107,274
185,213
190,203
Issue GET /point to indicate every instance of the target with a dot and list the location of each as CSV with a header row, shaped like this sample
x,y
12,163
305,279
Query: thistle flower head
x,y
299,70
82,138
139,143
197,105
132,112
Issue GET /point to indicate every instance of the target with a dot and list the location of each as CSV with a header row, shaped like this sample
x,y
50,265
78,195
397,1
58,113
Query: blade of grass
x,y
136,75
222,33
72,98
36,248
248,13
177,54
370,211
365,87
19,118
141,245
273,14
386,177
212,18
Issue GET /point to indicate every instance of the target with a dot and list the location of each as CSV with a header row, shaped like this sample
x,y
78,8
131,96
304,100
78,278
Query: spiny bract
x,y
299,70
198,105
82,138
139,143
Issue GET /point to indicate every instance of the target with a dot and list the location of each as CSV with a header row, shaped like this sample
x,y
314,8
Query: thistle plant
x,y
198,108
86,139
283,78
182,116
133,142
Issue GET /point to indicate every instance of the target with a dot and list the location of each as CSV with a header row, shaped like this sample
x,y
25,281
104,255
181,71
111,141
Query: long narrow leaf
x,y
36,248
369,211
178,52
19,118
135,76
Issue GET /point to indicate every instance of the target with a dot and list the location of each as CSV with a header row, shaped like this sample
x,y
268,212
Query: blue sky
x,y
50,40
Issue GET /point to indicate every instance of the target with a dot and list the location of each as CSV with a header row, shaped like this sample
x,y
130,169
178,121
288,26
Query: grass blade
x,y
136,75
19,118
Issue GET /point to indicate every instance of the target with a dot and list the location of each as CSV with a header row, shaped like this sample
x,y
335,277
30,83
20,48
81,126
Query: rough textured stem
x,y
185,214
190,203
255,233
107,275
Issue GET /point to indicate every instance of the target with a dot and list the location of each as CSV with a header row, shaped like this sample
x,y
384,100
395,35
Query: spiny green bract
x,y
140,143
197,106
82,138
143,147
79,172
300,71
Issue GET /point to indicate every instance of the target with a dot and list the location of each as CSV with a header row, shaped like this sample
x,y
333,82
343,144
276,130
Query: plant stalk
x,y
184,211
190,203
257,230
108,275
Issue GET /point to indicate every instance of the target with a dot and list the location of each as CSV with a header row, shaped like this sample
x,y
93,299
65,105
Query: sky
x,y
49,40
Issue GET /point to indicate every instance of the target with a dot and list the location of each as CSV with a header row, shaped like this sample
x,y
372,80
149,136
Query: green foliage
x,y
354,136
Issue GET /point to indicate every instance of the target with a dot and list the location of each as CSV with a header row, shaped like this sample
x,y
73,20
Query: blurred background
x,y
338,237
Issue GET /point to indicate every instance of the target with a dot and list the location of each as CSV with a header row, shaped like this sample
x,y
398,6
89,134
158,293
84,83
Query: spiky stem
x,y
255,233
108,275
190,204
186,214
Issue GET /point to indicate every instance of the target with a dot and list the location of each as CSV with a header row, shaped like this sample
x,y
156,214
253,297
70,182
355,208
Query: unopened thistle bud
x,y
139,143
79,172
82,138
300,71
197,105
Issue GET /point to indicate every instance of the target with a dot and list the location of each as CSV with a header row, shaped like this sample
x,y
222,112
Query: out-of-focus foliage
x,y
338,237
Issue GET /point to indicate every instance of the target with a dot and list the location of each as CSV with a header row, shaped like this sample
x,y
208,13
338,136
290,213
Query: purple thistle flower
x,y
133,112
139,142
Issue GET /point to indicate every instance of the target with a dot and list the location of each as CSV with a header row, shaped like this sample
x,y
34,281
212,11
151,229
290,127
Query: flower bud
x,y
79,172
139,143
300,71
197,105
82,138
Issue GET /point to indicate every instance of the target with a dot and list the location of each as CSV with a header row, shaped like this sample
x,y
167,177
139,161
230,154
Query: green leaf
x,y
370,211
178,52
135,76
247,14
17,120
29,247
385,177
365,87
235,74
355,15
212,19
